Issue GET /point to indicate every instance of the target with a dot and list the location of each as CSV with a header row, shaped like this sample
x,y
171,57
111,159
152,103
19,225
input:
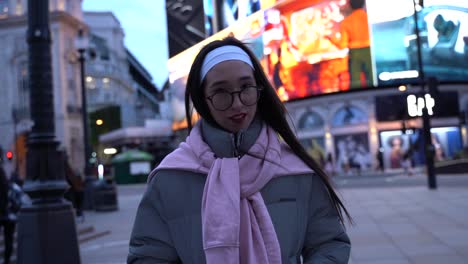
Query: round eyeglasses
x,y
223,100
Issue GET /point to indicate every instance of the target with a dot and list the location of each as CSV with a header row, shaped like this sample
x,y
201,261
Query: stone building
x,y
65,20
114,79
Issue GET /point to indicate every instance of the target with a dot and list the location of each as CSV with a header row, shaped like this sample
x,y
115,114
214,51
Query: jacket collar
x,y
227,145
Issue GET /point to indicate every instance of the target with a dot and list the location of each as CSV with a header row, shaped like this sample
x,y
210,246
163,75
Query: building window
x,y
90,82
71,6
349,115
101,47
23,86
3,8
72,91
19,8
61,5
310,120
106,83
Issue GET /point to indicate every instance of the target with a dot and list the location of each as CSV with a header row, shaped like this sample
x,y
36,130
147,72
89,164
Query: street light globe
x,y
81,41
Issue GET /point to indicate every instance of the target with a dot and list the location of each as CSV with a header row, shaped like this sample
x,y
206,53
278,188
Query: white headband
x,y
221,54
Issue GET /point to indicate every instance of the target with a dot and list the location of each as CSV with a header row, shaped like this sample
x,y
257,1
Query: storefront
x,y
352,129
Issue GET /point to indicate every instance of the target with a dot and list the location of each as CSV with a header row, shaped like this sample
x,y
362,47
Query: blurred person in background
x,y
11,200
75,193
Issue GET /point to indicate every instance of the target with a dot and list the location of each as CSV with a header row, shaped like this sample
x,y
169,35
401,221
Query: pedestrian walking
x,y
11,199
75,193
241,188
329,165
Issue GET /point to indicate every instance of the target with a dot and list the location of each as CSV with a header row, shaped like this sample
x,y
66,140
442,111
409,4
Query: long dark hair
x,y
270,108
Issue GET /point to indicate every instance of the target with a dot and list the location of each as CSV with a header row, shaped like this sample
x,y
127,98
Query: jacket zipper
x,y
236,140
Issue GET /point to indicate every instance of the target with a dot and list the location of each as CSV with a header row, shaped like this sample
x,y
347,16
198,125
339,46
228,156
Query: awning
x,y
137,135
132,155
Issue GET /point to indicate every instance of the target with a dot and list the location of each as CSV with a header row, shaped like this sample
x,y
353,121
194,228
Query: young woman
x,y
241,188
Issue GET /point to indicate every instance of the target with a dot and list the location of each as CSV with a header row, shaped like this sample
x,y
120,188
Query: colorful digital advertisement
x,y
352,153
311,47
397,146
443,31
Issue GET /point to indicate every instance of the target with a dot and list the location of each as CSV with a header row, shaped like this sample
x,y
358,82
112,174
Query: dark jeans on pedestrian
x,y
76,197
8,237
79,197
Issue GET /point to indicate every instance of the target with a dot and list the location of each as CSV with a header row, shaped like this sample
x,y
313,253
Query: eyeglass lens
x,y
223,100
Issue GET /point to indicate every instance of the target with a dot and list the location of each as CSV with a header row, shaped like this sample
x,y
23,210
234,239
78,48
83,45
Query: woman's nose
x,y
236,102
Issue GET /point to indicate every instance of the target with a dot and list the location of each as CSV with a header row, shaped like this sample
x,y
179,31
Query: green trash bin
x,y
132,166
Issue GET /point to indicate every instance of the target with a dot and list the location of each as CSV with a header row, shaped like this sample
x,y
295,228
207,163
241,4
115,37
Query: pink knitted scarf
x,y
236,225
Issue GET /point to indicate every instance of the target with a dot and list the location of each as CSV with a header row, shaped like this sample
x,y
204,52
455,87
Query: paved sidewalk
x,y
408,225
112,248
393,225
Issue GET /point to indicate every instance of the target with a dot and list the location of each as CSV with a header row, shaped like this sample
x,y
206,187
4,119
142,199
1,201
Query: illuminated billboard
x,y
443,26
231,11
317,47
447,142
311,47
186,24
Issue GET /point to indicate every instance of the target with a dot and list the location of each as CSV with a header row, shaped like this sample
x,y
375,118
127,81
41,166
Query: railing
x,y
106,69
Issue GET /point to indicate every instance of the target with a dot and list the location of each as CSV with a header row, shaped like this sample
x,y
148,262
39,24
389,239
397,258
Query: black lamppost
x,y
14,116
432,82
46,228
81,44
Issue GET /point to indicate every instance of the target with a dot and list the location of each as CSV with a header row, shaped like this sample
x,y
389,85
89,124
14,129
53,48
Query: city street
x,y
106,90
398,220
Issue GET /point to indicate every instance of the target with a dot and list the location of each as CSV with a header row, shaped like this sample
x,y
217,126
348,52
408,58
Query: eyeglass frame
x,y
259,90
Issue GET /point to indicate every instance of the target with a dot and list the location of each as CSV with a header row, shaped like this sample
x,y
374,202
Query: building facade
x,y
116,84
355,128
115,79
350,74
15,122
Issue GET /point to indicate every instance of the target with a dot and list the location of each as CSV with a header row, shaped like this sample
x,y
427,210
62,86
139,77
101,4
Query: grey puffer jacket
x,y
167,227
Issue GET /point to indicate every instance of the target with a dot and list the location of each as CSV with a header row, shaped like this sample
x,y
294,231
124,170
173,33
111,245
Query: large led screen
x,y
443,31
316,47
231,11
312,47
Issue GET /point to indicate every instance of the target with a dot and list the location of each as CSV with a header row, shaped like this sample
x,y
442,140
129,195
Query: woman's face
x,y
228,77
396,142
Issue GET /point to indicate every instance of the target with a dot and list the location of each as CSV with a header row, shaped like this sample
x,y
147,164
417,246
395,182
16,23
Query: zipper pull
x,y
236,141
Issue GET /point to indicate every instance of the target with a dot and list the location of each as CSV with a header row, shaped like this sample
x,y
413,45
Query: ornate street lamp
x,y
46,228
431,84
82,44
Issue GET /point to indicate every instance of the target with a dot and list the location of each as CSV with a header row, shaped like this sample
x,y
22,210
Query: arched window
x,y
349,115
22,99
310,120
